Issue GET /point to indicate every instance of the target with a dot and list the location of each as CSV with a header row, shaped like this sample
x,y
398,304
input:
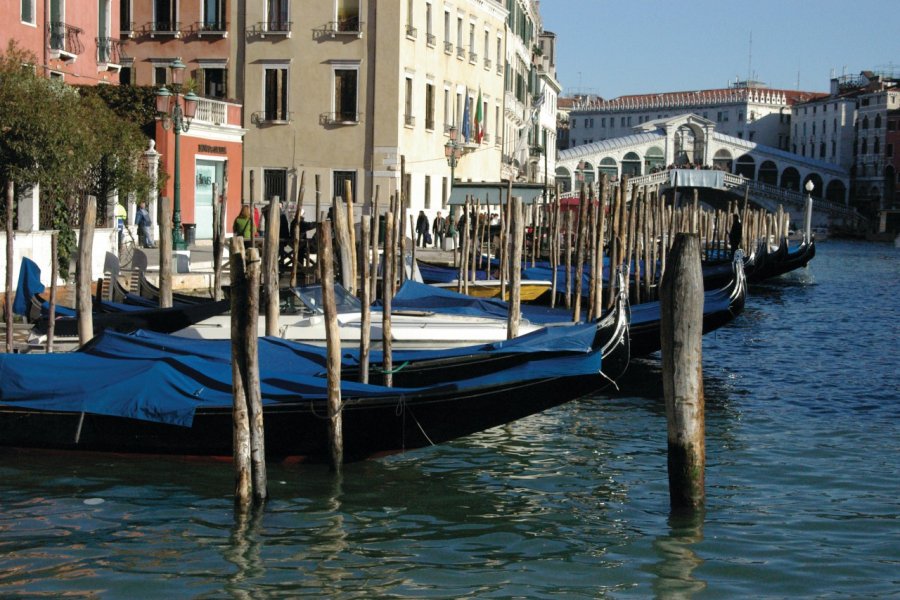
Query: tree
x,y
72,144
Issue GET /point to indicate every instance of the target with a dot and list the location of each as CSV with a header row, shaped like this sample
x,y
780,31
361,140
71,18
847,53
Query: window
x,y
574,122
429,106
822,150
446,27
348,15
407,104
889,150
213,82
338,179
876,146
27,13
275,184
125,76
459,33
165,15
125,16
159,75
428,191
345,95
275,98
214,15
877,121
278,15
499,52
429,30
448,120
865,124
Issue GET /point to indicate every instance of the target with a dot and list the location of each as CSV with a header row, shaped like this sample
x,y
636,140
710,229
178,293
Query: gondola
x,y
720,307
151,292
181,403
784,260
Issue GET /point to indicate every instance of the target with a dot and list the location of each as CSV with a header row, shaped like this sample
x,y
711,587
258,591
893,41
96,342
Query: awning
x,y
494,192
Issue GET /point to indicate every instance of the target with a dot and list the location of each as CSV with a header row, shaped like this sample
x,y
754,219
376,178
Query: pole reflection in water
x,y
244,551
677,559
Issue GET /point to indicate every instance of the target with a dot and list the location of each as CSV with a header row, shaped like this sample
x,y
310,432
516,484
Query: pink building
x,y
73,40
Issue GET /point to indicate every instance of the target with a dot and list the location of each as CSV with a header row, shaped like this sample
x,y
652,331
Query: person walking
x,y
439,229
243,224
142,220
421,229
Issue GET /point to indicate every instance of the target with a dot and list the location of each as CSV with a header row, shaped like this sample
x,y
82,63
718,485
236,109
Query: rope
x,y
397,370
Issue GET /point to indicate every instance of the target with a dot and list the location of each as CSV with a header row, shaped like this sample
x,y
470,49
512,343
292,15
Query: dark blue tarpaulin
x,y
29,286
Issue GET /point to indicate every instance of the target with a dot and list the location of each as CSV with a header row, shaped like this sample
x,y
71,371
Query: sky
x,y
618,47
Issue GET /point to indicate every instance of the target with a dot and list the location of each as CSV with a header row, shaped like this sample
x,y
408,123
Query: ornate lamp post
x,y
177,110
453,150
810,186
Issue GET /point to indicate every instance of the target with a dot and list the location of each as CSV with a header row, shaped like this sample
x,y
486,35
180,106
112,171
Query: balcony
x,y
498,141
109,54
164,28
430,40
448,47
339,118
64,42
409,120
499,68
264,118
429,124
487,63
275,28
213,112
486,138
473,58
126,30
211,28
351,27
411,32
460,52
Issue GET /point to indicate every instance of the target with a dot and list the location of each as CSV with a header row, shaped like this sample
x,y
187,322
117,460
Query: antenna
x,y
750,58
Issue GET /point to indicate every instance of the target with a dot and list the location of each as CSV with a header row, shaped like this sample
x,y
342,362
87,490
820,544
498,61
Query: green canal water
x,y
803,454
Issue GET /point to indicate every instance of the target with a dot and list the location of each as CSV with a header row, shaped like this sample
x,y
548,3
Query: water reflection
x,y
244,552
674,572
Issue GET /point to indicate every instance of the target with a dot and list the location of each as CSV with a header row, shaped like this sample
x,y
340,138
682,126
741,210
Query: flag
x,y
466,125
479,120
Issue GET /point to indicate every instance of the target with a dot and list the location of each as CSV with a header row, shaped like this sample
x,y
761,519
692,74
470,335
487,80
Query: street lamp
x,y
810,186
453,150
178,115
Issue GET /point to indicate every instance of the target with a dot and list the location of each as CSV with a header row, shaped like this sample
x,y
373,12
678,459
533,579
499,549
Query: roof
x,y
699,97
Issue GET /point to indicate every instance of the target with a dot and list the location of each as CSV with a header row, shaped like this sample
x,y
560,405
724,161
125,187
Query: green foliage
x,y
73,142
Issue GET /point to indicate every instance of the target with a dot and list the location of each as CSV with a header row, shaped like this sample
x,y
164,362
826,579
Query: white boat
x,y
302,320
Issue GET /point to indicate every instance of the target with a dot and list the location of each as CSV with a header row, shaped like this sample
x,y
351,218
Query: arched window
x,y
877,121
822,150
865,147
865,122
876,146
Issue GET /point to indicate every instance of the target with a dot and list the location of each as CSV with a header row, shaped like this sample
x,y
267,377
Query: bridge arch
x,y
690,144
654,159
836,191
790,179
723,160
609,166
631,164
768,173
564,179
746,166
590,175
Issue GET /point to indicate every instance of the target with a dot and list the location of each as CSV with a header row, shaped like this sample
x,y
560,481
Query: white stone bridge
x,y
687,142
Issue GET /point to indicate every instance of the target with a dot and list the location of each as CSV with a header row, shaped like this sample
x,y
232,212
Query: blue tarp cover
x,y
29,286
161,378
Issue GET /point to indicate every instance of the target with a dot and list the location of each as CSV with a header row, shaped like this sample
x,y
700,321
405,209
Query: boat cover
x,y
29,286
164,379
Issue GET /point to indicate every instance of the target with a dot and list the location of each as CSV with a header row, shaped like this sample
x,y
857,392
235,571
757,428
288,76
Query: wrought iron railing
x,y
487,63
213,26
411,31
165,28
409,120
109,51
473,57
339,118
460,52
276,117
64,38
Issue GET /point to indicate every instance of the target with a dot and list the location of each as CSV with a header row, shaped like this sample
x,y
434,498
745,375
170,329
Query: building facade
x,y
851,127
201,35
747,110
74,41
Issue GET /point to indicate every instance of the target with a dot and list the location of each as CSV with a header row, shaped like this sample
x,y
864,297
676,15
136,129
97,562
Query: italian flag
x,y
479,120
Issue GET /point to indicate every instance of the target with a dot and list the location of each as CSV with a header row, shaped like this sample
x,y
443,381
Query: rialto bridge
x,y
772,176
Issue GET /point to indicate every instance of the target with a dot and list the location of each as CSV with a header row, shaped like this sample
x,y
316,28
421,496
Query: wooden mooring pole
x,y
83,304
248,434
387,294
164,218
54,268
8,297
517,239
270,265
365,299
682,372
333,347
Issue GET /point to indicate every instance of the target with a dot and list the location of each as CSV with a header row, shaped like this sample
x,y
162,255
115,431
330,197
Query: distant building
x,y
747,110
851,127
